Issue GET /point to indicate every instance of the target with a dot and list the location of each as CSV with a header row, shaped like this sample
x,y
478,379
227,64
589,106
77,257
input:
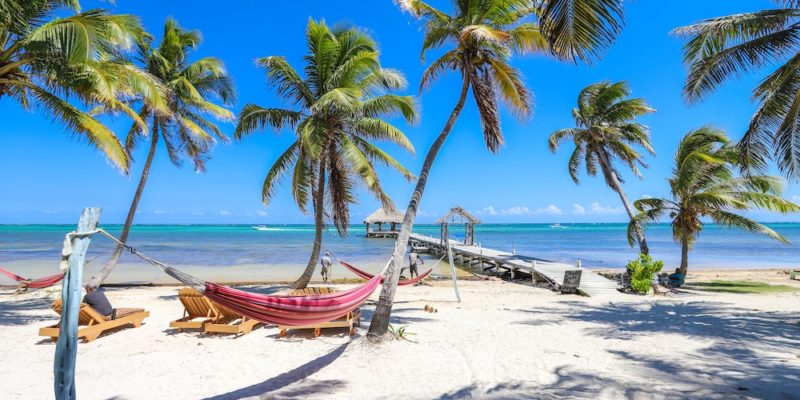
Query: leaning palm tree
x,y
339,111
605,132
184,126
480,38
45,59
704,185
728,47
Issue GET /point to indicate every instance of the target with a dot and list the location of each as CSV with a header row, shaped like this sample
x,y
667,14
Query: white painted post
x,y
67,344
533,271
578,263
453,271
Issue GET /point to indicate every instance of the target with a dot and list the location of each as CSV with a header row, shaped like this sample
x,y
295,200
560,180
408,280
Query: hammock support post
x,y
453,271
67,345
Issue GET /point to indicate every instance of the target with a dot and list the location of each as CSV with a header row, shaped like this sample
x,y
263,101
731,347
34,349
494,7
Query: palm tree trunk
x,y
379,326
616,186
684,250
126,229
319,210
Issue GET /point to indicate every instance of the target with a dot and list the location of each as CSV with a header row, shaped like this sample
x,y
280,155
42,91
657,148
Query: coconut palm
x,y
728,47
338,113
45,59
605,133
704,185
478,40
184,126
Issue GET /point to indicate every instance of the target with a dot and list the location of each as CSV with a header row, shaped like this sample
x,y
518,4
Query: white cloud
x,y
197,213
647,196
578,209
551,209
52,211
795,199
261,213
518,210
224,213
598,208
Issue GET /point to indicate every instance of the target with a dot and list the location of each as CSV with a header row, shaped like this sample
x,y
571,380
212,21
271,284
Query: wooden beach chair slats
x,y
202,313
197,310
349,320
230,321
92,324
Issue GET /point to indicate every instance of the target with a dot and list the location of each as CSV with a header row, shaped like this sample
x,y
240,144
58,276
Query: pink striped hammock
x,y
292,310
273,309
44,282
366,275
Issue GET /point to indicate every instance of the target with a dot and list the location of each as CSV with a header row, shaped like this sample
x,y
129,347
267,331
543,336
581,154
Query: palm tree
x,y
704,185
339,111
605,133
728,47
46,59
481,37
184,126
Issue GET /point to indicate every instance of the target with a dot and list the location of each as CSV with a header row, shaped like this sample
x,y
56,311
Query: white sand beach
x,y
505,340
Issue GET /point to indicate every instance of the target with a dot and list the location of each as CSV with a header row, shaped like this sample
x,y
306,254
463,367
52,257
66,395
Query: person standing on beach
x,y
413,257
326,266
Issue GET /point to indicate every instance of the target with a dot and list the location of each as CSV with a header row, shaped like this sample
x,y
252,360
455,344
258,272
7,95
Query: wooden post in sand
x,y
67,345
453,271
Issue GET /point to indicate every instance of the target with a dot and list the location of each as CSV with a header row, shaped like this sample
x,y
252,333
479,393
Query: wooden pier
x,y
591,284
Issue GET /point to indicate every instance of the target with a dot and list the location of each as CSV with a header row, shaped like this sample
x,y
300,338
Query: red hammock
x,y
47,281
291,310
366,275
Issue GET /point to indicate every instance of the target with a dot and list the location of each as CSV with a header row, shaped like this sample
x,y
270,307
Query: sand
x,y
505,340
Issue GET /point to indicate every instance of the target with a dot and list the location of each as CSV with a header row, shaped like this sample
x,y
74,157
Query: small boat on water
x,y
260,227
557,226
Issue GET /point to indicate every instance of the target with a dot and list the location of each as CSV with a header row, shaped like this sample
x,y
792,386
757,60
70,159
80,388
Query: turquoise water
x,y
283,250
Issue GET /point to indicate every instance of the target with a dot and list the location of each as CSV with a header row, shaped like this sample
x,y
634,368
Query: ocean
x,y
239,252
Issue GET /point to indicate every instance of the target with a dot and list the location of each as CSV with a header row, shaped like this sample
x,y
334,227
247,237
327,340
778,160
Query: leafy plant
x,y
642,270
401,333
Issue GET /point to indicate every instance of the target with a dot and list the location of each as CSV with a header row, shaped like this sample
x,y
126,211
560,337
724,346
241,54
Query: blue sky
x,y
48,176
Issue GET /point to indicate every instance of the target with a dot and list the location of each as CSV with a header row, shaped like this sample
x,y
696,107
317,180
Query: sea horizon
x,y
237,252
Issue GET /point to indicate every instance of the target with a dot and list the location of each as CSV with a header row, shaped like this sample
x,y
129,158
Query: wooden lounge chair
x,y
202,313
92,324
349,320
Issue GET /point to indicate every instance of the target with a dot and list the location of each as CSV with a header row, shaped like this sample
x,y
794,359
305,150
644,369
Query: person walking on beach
x,y
326,266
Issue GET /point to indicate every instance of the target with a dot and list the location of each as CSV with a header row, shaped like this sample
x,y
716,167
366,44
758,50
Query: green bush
x,y
642,270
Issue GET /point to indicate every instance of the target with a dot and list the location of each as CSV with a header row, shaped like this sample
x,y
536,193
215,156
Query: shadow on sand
x,y
748,353
293,384
18,312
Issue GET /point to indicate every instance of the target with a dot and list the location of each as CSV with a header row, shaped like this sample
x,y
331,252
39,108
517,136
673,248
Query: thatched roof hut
x,y
381,216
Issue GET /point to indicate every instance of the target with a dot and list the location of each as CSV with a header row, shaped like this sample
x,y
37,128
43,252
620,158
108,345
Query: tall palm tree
x,y
46,59
728,47
184,126
480,38
704,185
605,133
339,111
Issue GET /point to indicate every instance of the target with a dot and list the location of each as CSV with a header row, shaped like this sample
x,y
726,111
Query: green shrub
x,y
642,270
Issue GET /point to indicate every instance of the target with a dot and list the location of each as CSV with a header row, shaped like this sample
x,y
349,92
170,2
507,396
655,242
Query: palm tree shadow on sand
x,y
747,352
293,384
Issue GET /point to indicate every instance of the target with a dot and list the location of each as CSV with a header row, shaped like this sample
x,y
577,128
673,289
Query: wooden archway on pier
x,y
458,215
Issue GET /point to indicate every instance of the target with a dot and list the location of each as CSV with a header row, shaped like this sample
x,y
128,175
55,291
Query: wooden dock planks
x,y
591,284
